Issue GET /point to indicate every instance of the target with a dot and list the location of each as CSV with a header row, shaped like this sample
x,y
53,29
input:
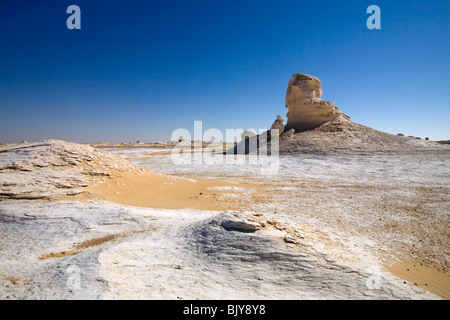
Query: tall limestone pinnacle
x,y
306,108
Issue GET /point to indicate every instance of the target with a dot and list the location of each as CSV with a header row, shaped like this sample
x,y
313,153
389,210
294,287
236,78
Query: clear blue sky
x,y
137,70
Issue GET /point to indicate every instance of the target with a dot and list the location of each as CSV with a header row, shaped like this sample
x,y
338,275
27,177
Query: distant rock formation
x,y
248,134
289,133
278,125
316,126
307,110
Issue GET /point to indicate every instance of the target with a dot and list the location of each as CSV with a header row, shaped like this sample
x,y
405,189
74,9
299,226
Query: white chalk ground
x,y
171,254
187,254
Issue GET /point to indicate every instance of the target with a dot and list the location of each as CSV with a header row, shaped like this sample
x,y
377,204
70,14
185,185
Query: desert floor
x,y
327,227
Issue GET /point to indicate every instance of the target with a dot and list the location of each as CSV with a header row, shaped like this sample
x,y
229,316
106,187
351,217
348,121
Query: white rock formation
x,y
278,125
50,168
241,224
306,108
248,134
289,133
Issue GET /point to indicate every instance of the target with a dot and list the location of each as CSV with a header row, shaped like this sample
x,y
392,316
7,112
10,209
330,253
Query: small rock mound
x,y
53,168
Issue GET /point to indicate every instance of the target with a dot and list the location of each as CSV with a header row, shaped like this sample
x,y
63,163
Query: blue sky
x,y
137,70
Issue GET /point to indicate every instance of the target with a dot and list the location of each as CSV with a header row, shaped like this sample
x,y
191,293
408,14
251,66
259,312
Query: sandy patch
x,y
429,278
152,190
58,254
15,281
87,244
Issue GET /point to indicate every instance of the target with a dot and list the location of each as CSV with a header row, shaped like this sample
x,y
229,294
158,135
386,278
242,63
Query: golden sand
x,y
153,190
80,247
429,278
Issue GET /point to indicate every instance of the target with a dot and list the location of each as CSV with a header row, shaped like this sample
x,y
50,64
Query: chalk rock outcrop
x,y
53,168
289,133
248,134
306,108
278,125
240,224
